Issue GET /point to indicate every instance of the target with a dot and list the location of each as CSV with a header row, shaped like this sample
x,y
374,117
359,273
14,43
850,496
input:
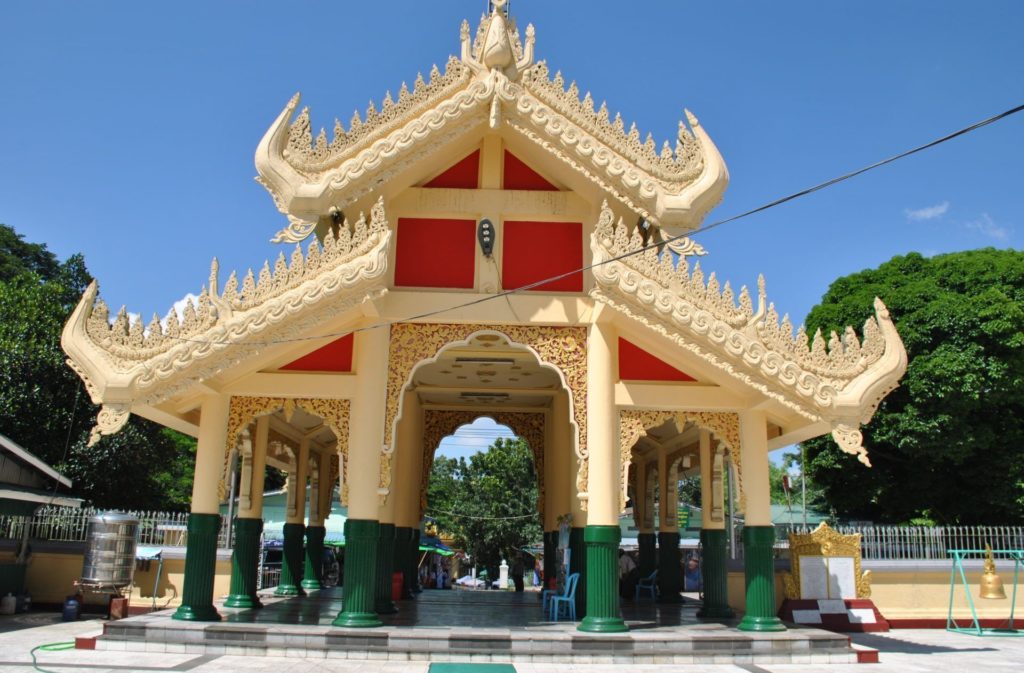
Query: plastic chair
x,y
566,601
648,584
546,596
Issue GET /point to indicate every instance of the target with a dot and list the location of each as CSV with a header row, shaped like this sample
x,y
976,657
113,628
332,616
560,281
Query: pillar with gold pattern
x,y
670,570
293,557
713,568
245,556
406,491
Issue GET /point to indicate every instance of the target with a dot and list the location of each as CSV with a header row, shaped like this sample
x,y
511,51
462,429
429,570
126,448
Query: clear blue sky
x,y
130,127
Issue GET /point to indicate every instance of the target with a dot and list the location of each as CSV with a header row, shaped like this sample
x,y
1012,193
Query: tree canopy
x,y
946,444
44,406
489,503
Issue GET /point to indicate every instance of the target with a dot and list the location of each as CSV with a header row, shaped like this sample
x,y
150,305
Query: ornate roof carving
x,y
494,80
841,383
124,363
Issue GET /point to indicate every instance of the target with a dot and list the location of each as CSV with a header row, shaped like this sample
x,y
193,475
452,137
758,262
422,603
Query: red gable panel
x,y
463,175
534,251
636,364
334,357
518,175
435,253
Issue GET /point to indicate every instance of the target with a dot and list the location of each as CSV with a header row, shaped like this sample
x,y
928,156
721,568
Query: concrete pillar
x,y
245,555
386,539
670,574
559,480
646,538
602,534
366,439
312,574
294,553
406,491
713,567
204,519
758,532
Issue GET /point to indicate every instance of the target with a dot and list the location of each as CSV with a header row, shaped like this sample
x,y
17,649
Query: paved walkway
x,y
903,651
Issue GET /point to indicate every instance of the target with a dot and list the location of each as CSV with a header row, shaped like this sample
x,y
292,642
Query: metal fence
x,y
890,543
65,524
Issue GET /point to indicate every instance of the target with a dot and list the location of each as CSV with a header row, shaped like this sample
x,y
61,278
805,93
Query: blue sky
x,y
130,127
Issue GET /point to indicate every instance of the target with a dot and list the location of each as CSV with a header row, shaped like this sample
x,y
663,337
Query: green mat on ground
x,y
471,668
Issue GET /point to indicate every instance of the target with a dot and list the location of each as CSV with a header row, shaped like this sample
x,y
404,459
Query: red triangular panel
x,y
636,364
334,357
518,175
463,175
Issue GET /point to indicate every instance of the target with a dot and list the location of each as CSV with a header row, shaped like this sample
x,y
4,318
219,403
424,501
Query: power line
x,y
483,518
700,230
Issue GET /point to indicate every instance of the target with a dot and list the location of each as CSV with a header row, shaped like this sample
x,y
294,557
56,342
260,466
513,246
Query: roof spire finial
x,y
497,45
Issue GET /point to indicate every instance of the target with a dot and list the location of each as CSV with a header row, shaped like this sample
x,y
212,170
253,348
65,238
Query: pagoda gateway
x,y
386,328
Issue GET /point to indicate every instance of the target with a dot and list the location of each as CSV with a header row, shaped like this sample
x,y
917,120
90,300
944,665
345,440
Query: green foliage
x,y
43,404
481,502
945,445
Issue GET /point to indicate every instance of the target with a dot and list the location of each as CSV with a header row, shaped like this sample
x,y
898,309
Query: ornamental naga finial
x,y
499,45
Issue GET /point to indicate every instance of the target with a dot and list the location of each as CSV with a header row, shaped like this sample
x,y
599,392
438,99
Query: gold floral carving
x,y
564,348
634,423
825,541
438,424
335,413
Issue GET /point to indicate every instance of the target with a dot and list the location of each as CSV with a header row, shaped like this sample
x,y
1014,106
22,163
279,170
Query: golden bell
x,y
991,583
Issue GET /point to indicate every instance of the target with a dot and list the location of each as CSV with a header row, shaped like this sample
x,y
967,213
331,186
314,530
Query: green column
x,y
603,614
648,544
292,559
670,571
403,550
759,567
245,564
578,564
550,552
200,568
412,573
714,575
360,574
313,574
385,556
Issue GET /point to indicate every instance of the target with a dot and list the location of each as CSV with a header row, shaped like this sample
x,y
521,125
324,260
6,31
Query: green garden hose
x,y
50,647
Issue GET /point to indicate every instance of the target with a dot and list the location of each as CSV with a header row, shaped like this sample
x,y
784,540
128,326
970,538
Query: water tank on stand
x,y
110,550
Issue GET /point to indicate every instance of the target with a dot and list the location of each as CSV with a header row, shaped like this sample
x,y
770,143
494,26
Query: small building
x,y
487,240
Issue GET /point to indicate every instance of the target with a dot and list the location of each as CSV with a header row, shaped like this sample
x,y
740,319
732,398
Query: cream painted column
x,y
259,465
313,566
245,554
325,487
559,481
643,515
758,532
602,535
713,566
366,439
386,538
204,519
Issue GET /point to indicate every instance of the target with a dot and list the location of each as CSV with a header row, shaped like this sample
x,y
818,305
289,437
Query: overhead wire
x,y
636,251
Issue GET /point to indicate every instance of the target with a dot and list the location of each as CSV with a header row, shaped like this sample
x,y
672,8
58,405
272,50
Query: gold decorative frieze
x,y
634,423
438,424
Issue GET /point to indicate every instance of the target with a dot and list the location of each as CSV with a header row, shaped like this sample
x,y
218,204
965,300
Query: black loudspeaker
x,y
485,234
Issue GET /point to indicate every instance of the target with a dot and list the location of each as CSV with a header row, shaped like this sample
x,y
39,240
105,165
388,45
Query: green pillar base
x,y
759,568
714,576
602,581
670,571
648,546
385,562
292,558
312,575
200,568
360,574
245,563
578,564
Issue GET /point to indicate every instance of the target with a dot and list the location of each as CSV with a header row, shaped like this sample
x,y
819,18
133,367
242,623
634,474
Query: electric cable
x,y
700,230
483,518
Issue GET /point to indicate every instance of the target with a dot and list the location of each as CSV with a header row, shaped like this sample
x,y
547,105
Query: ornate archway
x,y
335,414
564,349
633,424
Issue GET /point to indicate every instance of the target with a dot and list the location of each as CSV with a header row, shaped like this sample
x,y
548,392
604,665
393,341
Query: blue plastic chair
x,y
566,601
647,584
546,596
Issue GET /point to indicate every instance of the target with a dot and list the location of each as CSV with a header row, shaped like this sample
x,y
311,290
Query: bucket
x,y
397,579
70,611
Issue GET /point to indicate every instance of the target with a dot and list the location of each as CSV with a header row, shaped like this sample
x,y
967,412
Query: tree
x,y
946,444
44,406
488,504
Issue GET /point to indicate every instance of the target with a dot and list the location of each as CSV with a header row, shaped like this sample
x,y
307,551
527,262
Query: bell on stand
x,y
991,583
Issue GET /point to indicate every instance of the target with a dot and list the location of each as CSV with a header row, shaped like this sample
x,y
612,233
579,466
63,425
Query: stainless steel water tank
x,y
110,549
